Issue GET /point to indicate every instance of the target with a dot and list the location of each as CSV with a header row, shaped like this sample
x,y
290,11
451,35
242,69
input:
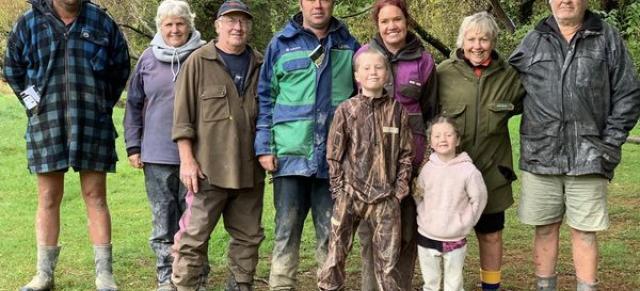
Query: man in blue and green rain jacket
x,y
306,73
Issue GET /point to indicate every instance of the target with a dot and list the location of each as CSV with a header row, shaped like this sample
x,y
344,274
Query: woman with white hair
x,y
148,122
480,91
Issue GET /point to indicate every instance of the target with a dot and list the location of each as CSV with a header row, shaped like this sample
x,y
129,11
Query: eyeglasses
x,y
232,21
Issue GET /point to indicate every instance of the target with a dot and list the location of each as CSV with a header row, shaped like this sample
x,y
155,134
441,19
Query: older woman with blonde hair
x,y
480,91
148,122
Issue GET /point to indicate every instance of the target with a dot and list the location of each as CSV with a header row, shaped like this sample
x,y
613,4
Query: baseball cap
x,y
233,6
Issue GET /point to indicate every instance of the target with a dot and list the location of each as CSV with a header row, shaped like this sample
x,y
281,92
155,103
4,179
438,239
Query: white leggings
x,y
433,269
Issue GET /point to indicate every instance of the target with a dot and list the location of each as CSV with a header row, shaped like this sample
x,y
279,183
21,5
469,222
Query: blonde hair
x,y
370,51
175,8
481,21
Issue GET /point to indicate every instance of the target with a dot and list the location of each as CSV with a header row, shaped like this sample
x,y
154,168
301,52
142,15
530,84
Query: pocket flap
x,y
216,91
454,110
96,37
296,64
501,106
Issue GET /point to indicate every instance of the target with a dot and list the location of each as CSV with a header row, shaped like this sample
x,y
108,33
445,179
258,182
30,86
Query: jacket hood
x,y
462,157
175,55
591,22
294,26
411,51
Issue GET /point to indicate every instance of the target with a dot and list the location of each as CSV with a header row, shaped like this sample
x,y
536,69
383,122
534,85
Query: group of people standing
x,y
376,140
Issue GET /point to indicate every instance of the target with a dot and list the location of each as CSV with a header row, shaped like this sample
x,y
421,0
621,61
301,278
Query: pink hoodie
x,y
453,198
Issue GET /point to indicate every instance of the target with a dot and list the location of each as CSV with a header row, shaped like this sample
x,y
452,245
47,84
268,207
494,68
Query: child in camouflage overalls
x,y
369,152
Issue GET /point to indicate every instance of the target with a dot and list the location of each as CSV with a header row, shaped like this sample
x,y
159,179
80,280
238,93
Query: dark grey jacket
x,y
582,99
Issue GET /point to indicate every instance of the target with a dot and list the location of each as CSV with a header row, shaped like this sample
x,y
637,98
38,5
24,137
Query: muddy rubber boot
x,y
47,258
546,283
104,271
582,286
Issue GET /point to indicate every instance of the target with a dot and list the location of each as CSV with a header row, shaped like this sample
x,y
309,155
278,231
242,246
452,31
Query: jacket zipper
x,y
475,132
65,99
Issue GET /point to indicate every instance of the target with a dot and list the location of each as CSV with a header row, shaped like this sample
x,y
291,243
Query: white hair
x,y
481,21
175,8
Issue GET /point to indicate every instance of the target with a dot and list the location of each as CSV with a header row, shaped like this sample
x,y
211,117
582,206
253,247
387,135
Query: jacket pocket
x,y
417,124
411,90
457,112
296,64
590,70
95,45
499,113
594,148
214,104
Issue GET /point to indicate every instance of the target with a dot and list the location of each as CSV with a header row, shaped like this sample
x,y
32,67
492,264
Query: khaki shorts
x,y
546,199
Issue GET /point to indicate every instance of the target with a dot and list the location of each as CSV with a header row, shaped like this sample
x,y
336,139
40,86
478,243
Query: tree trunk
x,y
526,10
433,41
608,5
502,16
633,139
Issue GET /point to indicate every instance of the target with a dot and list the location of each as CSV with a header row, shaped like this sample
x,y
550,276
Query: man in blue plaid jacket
x,y
68,63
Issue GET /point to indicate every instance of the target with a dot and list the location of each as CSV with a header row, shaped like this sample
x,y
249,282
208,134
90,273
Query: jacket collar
x,y
44,6
411,51
210,53
496,64
592,22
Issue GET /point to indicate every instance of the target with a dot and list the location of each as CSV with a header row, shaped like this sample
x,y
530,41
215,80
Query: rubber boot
x,y
232,285
104,270
583,286
204,276
47,258
546,283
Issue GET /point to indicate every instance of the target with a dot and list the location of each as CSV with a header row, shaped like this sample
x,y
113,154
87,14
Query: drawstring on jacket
x,y
175,55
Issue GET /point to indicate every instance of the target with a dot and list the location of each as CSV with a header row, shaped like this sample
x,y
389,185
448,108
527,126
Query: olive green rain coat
x,y
481,107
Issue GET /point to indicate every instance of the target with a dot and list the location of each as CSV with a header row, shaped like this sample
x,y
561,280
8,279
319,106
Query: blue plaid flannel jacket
x,y
80,70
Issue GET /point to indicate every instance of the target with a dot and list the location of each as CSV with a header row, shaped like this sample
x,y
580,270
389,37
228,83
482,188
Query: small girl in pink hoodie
x,y
450,196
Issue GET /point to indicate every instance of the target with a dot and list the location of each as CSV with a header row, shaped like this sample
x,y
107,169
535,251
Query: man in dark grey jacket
x,y
583,97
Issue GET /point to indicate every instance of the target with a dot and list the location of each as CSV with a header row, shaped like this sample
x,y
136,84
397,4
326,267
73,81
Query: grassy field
x,y
134,262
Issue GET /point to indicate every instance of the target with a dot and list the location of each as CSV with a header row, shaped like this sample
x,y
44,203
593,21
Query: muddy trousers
x,y
293,197
408,249
383,218
166,197
241,210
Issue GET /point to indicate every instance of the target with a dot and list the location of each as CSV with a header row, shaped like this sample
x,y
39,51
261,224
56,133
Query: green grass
x,y
134,262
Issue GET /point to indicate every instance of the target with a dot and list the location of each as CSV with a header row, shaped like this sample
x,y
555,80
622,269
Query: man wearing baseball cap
x,y
214,116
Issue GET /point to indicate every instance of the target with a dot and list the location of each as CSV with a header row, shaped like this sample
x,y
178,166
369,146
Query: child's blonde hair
x,y
370,50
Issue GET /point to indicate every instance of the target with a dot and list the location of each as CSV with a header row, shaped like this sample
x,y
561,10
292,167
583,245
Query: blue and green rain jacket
x,y
302,81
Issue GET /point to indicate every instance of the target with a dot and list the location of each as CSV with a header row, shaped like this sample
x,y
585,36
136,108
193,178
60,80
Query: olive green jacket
x,y
221,124
481,108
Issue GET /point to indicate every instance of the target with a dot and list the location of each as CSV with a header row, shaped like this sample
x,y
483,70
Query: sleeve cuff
x,y
133,150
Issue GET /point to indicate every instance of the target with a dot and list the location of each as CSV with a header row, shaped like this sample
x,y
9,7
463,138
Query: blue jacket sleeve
x,y
133,114
119,64
267,92
15,62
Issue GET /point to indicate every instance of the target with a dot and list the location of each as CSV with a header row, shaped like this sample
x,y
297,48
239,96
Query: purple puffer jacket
x,y
414,86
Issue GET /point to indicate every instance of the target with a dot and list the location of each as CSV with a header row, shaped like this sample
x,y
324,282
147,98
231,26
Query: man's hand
x,y
268,162
135,161
190,173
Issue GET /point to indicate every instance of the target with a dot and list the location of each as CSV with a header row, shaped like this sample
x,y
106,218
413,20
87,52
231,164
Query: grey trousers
x,y
166,199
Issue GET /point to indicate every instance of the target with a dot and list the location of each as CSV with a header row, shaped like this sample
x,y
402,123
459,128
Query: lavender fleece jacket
x,y
453,198
149,113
